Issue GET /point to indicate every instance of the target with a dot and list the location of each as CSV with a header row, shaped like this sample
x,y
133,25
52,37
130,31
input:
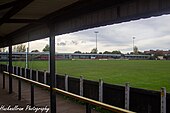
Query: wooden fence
x,y
134,99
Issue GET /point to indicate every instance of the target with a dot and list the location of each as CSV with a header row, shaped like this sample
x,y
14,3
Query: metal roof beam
x,y
20,4
80,8
7,5
21,21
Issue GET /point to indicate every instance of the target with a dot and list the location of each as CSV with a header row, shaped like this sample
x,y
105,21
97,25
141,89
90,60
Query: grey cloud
x,y
64,42
61,44
150,33
74,42
82,41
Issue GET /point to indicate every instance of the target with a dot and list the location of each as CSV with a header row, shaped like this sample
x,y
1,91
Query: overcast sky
x,y
151,33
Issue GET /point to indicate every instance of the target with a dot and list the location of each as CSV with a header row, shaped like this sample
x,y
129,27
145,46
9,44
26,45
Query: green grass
x,y
145,74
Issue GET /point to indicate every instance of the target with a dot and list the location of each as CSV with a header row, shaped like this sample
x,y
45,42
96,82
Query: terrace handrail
x,y
65,93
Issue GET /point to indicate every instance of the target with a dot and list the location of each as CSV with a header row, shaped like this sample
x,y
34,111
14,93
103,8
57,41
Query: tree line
x,y
22,48
94,51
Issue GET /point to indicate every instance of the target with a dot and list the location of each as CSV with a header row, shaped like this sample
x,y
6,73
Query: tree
x,y
141,53
35,50
135,50
19,48
46,48
2,49
113,52
14,49
116,52
107,52
94,51
77,52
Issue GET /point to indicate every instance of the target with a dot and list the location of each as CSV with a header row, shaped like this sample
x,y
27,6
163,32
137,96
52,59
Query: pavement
x,y
10,103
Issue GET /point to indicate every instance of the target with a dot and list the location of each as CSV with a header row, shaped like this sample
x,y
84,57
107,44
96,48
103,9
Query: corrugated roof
x,y
28,20
40,8
35,9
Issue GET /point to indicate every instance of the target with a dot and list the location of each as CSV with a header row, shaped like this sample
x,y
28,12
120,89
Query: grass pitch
x,y
147,74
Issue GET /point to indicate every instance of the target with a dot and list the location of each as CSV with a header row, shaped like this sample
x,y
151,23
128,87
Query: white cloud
x,y
151,33
38,44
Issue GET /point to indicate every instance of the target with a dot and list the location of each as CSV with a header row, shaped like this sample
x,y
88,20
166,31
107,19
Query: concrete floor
x,y
42,100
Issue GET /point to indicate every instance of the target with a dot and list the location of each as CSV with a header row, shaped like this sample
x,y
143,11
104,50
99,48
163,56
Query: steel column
x,y
10,69
32,95
52,70
88,109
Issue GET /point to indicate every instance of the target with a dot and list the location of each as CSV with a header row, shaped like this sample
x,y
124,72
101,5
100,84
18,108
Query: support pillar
x,y
66,82
10,69
7,68
81,85
37,75
52,70
100,90
26,72
127,96
163,100
20,71
17,70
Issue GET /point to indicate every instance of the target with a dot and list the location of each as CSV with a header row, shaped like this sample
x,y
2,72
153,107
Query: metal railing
x,y
62,92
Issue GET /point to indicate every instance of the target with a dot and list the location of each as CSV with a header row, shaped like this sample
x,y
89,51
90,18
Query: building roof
x,y
16,14
75,54
28,20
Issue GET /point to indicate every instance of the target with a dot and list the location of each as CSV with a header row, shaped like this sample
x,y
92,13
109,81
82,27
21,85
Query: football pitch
x,y
147,74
